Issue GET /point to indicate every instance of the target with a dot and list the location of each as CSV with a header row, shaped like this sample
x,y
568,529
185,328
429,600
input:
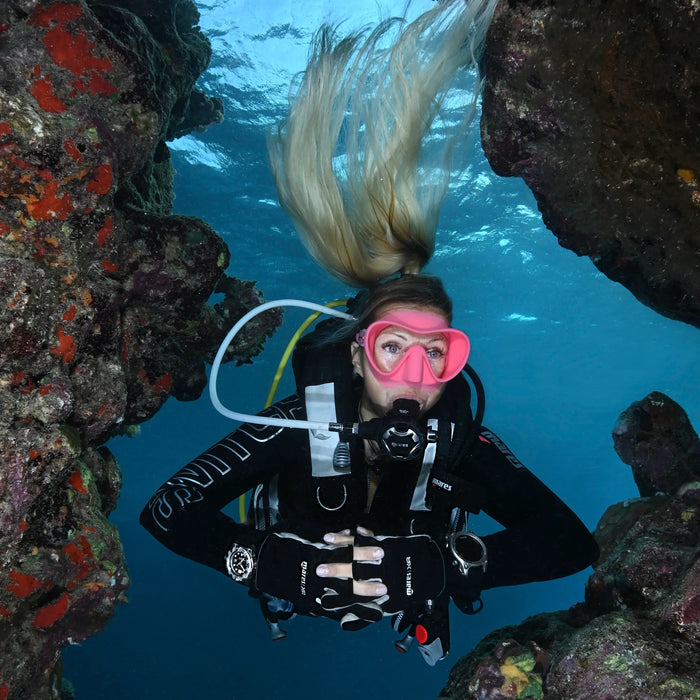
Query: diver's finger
x,y
334,570
367,553
370,589
342,537
364,531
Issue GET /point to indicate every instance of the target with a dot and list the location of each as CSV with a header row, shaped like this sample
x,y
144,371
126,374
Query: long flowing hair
x,y
351,161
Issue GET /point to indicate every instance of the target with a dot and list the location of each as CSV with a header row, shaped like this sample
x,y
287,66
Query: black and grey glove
x,y
413,570
286,568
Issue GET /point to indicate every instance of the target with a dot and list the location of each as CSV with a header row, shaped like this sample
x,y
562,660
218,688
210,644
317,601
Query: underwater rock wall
x,y
638,633
596,106
103,298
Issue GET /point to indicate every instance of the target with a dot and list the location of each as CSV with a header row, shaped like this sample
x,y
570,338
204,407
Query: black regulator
x,y
399,433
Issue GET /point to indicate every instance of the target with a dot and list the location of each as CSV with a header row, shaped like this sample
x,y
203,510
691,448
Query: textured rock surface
x,y
655,437
638,633
595,105
103,295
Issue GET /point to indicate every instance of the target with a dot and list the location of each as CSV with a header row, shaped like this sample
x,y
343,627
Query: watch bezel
x,y
240,563
464,564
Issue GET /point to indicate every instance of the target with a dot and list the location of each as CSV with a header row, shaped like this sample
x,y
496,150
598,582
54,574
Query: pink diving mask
x,y
400,360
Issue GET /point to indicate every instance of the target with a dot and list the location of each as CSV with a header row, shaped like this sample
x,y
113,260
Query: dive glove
x,y
413,569
286,568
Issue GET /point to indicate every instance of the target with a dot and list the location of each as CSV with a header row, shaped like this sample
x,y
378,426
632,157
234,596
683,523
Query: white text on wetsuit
x,y
304,567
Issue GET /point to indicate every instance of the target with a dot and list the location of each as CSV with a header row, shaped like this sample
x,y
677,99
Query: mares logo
x,y
409,587
304,567
441,484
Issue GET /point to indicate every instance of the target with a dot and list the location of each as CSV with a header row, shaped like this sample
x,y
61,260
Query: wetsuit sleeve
x,y
185,514
542,538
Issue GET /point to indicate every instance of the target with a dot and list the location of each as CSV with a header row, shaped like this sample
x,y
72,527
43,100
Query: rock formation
x,y
637,635
103,293
595,106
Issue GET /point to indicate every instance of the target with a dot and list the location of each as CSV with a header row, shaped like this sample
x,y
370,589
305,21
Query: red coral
x,y
4,128
76,482
96,85
163,384
72,150
80,555
51,613
74,51
102,181
70,314
49,205
4,612
105,232
65,348
42,91
23,584
109,267
4,691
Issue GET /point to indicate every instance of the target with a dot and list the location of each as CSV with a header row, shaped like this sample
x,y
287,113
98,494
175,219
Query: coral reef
x,y
638,633
595,106
103,298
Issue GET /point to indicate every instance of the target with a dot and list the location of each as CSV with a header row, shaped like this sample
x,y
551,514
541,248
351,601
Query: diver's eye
x,y
391,348
434,354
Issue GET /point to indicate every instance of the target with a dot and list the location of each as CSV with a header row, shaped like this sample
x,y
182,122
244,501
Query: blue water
x,y
561,350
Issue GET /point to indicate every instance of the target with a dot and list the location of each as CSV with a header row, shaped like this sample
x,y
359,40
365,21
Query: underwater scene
x,y
561,350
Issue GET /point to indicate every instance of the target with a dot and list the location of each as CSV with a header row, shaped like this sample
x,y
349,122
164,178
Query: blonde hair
x,y
372,210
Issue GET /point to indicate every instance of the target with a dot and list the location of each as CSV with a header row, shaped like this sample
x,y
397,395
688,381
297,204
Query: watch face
x,y
240,563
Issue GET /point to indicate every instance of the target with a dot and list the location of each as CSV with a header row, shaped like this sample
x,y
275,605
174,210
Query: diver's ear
x,y
356,356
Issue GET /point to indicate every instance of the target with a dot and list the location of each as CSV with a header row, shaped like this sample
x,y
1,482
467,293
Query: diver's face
x,y
392,345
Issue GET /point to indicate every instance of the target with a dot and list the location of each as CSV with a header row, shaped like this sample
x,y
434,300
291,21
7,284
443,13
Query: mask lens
x,y
414,349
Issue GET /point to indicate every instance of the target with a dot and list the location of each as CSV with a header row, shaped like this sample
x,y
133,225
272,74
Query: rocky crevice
x,y
103,298
637,635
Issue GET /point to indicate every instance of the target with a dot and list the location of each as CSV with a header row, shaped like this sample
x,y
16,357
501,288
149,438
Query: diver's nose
x,y
414,369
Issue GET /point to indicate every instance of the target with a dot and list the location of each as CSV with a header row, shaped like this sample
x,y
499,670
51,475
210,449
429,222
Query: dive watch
x,y
468,550
240,563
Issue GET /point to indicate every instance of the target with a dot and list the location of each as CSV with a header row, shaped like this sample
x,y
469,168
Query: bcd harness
x,y
325,382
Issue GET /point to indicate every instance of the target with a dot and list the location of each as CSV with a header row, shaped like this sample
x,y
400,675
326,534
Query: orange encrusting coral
x,y
48,205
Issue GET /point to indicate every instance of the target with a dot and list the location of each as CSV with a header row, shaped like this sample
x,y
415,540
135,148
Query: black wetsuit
x,y
541,537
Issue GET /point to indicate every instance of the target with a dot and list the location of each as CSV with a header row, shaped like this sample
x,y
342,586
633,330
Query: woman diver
x,y
364,478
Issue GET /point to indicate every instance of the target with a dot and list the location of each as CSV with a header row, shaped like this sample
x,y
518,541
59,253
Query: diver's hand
x,y
412,568
287,568
365,588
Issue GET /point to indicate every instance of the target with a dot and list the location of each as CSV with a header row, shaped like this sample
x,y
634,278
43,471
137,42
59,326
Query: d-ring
x,y
338,507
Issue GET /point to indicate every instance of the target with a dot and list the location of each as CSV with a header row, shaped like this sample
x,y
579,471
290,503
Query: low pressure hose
x,y
264,420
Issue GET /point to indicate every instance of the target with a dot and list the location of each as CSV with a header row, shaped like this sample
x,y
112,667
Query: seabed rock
x,y
595,105
637,635
103,298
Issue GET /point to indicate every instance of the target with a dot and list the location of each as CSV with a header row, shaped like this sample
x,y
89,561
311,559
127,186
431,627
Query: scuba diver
x,y
364,479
